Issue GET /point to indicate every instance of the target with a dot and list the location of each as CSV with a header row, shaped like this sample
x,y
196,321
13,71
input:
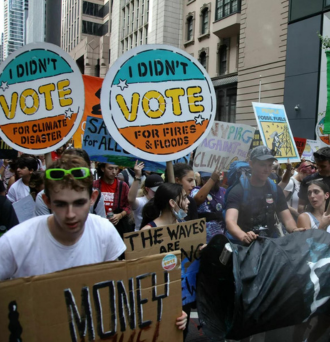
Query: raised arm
x,y
132,194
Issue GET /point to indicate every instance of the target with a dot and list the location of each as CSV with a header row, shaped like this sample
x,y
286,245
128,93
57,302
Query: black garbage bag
x,y
272,283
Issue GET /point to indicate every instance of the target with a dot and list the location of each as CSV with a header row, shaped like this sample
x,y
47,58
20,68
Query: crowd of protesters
x,y
80,217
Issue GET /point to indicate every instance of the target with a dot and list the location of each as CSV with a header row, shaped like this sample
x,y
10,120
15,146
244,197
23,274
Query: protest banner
x,y
137,300
185,236
92,106
158,102
7,152
256,141
300,143
275,131
311,147
41,98
101,147
225,143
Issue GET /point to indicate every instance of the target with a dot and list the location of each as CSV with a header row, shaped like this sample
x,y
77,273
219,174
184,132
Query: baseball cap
x,y
153,182
205,174
262,153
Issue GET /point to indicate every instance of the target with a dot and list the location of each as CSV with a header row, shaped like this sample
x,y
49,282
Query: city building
x,y
305,96
211,35
262,56
43,22
1,49
139,22
85,34
15,12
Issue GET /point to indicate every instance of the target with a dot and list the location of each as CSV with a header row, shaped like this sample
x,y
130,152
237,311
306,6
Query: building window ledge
x,y
189,42
190,1
204,36
227,16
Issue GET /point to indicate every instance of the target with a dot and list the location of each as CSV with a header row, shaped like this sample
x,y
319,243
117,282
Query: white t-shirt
x,y
18,191
30,249
138,211
293,186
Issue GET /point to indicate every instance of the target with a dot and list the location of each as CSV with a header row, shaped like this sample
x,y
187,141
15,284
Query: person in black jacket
x,y
8,217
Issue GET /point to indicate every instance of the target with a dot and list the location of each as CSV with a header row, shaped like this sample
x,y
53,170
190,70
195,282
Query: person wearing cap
x,y
211,208
322,160
256,213
151,184
114,192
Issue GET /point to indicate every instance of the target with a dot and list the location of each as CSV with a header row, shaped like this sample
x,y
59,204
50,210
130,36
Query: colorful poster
x,y
311,147
92,106
275,131
225,143
158,102
41,98
101,147
300,143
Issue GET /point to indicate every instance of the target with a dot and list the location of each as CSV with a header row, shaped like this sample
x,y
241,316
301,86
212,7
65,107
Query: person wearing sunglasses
x,y
68,237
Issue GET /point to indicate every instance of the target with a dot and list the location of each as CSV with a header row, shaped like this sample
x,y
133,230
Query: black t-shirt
x,y
304,185
7,213
254,208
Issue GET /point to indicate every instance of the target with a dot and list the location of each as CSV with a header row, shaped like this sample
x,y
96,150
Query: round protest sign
x,y
41,98
158,102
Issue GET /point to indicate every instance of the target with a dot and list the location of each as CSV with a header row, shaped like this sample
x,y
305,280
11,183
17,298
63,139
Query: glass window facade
x,y
226,104
205,21
95,29
95,10
190,26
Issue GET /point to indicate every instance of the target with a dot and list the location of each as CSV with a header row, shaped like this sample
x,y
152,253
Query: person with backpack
x,y
251,204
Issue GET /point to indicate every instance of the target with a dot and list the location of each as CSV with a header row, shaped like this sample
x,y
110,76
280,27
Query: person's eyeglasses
x,y
76,172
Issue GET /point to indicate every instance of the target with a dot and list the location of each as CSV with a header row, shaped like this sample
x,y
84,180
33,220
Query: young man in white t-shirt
x,y
70,236
20,189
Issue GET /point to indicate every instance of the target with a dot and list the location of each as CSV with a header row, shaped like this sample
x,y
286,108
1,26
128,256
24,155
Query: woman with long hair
x,y
316,218
169,205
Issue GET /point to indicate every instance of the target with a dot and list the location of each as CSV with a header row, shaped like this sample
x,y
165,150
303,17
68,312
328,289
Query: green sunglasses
x,y
76,172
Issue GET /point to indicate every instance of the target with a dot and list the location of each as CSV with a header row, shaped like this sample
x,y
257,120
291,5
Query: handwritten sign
x,y
300,143
225,143
24,208
137,300
158,102
101,147
186,236
275,131
311,147
41,98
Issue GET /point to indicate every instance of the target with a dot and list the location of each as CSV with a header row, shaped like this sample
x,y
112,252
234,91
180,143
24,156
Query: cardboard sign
x,y
41,98
225,143
275,131
101,147
7,152
300,143
311,147
92,106
136,300
186,236
158,102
